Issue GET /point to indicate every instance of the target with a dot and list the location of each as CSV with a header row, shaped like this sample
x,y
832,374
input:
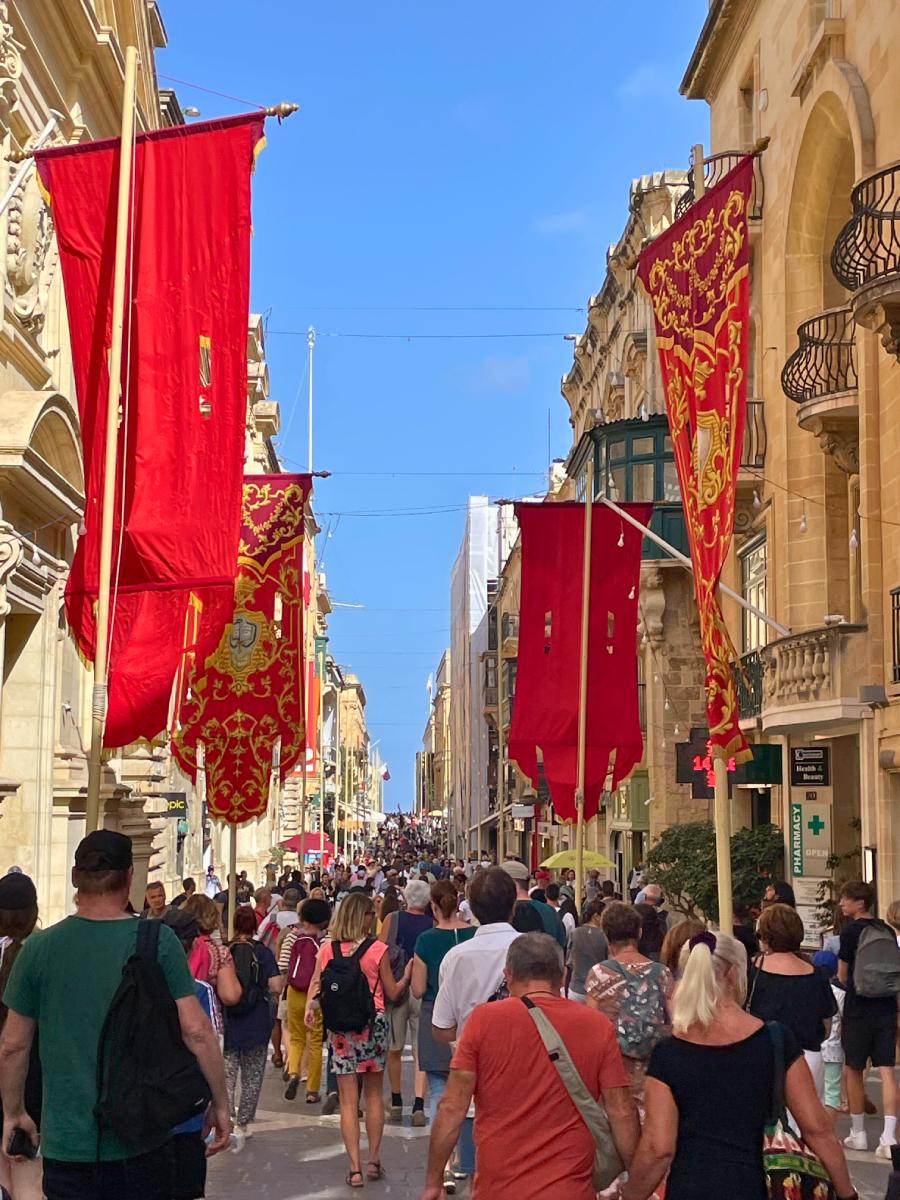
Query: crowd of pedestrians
x,y
638,1052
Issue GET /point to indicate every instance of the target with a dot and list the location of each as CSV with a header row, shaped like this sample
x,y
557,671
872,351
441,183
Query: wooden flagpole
x,y
583,684
232,880
101,656
722,806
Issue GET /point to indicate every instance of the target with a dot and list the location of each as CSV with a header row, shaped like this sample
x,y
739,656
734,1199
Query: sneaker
x,y
857,1141
395,1114
330,1107
449,1183
883,1150
290,1092
419,1120
245,1131
237,1142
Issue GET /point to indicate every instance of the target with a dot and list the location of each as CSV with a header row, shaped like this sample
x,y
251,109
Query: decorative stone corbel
x,y
652,604
11,551
842,446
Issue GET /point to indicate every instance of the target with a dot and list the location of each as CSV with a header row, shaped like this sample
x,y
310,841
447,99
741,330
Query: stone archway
x,y
824,174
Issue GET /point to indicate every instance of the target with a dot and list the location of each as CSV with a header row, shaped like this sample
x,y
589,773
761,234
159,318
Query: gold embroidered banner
x,y
697,276
249,693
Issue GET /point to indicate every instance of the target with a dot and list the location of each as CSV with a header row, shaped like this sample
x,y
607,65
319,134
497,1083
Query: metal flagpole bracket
x,y
781,630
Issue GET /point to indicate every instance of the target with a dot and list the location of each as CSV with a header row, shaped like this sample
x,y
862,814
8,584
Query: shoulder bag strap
x,y
148,940
592,1113
364,946
757,971
336,950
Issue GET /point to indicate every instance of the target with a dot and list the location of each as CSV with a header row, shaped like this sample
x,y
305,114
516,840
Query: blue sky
x,y
445,159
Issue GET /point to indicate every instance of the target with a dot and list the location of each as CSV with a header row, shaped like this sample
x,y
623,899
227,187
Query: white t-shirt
x,y
568,922
471,973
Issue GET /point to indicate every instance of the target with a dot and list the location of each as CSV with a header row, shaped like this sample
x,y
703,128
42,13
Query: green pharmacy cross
x,y
816,825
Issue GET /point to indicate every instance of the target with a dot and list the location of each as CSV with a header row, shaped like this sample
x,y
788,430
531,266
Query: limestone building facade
x,y
818,531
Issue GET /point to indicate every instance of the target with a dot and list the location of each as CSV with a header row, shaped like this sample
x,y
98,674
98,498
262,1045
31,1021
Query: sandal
x,y
350,1177
278,1063
374,1171
313,1097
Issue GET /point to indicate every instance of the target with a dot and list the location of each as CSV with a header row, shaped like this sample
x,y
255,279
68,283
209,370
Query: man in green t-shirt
x,y
62,983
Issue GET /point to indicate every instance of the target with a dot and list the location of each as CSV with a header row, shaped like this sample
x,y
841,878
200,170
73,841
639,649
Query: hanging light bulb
x,y
644,412
36,556
667,705
803,524
631,593
757,503
656,679
854,540
621,542
677,729
82,528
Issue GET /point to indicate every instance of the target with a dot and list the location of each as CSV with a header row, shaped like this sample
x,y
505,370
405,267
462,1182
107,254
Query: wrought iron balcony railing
x,y
868,247
748,680
715,168
753,454
824,363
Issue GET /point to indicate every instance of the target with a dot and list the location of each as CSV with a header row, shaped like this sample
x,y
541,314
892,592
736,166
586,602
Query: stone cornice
x,y
721,31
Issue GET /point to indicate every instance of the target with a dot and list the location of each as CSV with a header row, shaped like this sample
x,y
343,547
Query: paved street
x,y
295,1154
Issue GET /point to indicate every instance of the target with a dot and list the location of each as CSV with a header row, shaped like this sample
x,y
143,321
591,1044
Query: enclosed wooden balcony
x,y
865,258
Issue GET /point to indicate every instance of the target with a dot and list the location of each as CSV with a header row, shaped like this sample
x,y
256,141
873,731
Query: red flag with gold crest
x,y
249,693
698,277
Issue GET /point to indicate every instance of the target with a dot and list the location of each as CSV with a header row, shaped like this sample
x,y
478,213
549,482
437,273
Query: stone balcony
x,y
813,678
820,376
865,257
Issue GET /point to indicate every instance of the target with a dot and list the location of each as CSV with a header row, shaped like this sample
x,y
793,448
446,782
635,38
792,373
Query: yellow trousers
x,y
296,1008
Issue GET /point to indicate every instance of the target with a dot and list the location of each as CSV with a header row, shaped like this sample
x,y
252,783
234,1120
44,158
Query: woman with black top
x,y
782,986
18,917
709,1089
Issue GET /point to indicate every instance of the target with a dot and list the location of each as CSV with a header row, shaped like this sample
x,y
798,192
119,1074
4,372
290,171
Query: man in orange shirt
x,y
502,1062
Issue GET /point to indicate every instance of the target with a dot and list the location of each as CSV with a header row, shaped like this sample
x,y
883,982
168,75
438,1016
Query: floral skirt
x,y
357,1053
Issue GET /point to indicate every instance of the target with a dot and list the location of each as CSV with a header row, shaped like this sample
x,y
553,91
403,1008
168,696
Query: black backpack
x,y
345,997
246,966
148,1081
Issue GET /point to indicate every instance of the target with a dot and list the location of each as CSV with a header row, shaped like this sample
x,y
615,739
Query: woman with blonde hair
x,y
709,1088
209,960
362,1052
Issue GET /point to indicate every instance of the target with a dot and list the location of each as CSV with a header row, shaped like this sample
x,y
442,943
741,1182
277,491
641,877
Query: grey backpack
x,y
876,969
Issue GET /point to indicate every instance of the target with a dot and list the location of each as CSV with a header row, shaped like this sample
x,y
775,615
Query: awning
x,y
310,843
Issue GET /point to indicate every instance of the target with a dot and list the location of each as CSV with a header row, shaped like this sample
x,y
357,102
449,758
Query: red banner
x,y
698,276
249,692
184,392
545,710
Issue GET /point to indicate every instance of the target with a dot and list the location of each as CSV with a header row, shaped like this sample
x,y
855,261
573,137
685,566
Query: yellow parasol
x,y
565,860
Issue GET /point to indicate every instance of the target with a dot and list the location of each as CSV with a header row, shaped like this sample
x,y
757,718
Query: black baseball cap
x,y
104,850
17,892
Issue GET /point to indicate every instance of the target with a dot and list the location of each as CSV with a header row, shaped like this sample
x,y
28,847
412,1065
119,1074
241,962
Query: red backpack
x,y
302,963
